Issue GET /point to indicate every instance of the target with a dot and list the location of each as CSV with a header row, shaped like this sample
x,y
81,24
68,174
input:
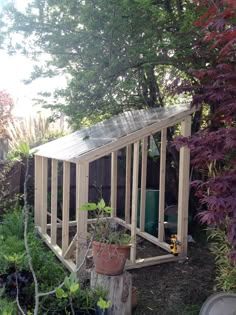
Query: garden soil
x,y
177,288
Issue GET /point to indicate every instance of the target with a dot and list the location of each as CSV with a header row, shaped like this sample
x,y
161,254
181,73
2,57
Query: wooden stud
x,y
151,261
65,206
162,183
154,240
37,188
44,195
82,183
114,183
71,247
54,183
134,201
68,263
183,197
143,184
128,183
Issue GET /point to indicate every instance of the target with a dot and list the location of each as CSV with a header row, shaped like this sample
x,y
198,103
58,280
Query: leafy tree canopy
x,y
116,55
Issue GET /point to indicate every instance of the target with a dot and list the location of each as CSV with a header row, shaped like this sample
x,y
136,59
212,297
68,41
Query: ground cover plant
x,y
16,280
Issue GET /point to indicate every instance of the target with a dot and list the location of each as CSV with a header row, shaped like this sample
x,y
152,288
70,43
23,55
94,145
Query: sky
x,y
15,69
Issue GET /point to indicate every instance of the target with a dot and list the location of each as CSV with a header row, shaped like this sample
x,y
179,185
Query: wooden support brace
x,y
183,198
143,184
128,183
44,196
162,183
65,206
114,183
54,182
82,186
134,201
37,188
71,247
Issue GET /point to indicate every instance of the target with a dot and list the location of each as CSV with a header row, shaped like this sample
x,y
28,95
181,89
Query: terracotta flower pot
x,y
109,259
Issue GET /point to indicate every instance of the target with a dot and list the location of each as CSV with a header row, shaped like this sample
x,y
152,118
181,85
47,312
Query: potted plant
x,y
111,245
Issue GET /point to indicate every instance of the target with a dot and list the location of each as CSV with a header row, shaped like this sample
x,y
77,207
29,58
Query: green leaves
x,y
103,304
71,287
100,206
89,207
60,293
14,258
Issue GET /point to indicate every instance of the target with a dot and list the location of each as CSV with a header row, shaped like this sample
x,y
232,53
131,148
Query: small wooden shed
x,y
129,131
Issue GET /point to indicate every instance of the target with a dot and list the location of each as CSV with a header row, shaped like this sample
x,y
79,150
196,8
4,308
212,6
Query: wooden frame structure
x,y
130,131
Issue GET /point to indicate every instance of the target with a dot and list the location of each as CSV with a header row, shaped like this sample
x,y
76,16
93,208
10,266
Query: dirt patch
x,y
175,288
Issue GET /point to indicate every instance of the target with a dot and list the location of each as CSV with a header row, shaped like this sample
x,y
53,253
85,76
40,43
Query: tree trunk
x,y
119,288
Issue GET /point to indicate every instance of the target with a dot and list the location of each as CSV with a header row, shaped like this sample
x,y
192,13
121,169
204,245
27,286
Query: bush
x,y
225,267
14,263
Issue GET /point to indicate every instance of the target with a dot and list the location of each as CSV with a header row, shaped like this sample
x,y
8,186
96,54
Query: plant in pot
x,y
111,244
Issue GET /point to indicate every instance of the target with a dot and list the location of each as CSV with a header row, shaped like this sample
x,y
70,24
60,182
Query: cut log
x,y
119,291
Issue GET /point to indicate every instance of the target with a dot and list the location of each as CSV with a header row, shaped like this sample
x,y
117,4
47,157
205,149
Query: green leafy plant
x,y
225,267
105,229
103,304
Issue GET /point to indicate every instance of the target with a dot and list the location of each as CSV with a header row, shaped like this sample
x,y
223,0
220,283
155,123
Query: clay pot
x,y
109,259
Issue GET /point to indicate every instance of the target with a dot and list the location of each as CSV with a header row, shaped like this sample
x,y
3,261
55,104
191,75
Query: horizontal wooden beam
x,y
68,263
145,235
145,262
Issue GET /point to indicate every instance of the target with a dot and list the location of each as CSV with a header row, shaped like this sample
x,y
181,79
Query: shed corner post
x,y
44,195
82,190
134,201
37,189
114,183
183,196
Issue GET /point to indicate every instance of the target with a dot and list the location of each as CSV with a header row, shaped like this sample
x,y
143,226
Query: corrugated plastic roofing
x,y
109,135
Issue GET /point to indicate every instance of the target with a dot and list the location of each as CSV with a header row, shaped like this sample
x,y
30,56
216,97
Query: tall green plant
x,y
225,268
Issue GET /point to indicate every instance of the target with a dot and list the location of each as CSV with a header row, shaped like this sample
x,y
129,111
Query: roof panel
x,y
88,140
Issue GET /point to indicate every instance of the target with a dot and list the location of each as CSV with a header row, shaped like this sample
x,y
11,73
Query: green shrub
x,y
225,268
49,272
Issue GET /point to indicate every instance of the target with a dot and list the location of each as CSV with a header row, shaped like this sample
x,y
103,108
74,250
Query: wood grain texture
x,y
119,290
143,184
65,206
54,184
44,195
114,183
128,183
134,201
162,184
183,197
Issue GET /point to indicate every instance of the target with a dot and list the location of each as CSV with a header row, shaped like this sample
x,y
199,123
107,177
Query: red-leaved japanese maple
x,y
214,148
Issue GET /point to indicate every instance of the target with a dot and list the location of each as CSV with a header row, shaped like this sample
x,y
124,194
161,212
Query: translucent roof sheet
x,y
112,134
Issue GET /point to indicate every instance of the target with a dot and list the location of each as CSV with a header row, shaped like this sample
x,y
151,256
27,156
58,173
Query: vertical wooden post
x,y
65,206
44,195
162,183
134,201
143,184
82,189
54,182
183,198
37,188
114,183
128,183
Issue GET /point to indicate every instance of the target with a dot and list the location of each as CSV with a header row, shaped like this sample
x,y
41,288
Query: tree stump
x,y
119,291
